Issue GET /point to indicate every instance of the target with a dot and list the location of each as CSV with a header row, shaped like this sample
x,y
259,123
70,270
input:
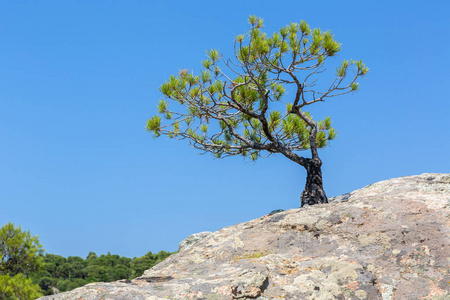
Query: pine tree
x,y
19,251
20,256
248,111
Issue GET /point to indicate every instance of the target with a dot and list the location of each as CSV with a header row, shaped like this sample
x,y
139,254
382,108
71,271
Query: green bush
x,y
18,288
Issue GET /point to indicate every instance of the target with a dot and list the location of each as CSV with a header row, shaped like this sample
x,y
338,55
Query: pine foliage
x,y
238,112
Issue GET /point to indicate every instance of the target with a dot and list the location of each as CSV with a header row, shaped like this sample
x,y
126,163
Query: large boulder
x,y
389,240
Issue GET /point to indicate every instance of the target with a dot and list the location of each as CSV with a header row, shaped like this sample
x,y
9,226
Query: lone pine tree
x,y
248,111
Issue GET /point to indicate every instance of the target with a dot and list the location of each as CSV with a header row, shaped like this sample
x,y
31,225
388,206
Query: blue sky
x,y
79,79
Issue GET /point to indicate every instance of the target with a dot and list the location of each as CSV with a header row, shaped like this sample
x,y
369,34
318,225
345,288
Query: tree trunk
x,y
313,193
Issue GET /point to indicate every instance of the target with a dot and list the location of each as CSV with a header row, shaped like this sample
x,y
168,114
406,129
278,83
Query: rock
x,y
389,240
275,211
192,239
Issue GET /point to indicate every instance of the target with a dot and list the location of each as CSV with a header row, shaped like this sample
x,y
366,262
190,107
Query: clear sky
x,y
79,79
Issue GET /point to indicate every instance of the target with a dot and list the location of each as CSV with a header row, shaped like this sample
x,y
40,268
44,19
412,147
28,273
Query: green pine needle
x,y
162,106
213,55
154,125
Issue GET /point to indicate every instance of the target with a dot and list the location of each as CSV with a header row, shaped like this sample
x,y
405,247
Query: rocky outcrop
x,y
192,239
389,240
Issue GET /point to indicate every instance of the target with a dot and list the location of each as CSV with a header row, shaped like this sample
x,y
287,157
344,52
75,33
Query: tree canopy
x,y
69,273
241,106
19,251
25,271
20,256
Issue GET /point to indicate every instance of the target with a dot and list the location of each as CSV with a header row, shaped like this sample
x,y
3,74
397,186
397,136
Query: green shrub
x,y
18,288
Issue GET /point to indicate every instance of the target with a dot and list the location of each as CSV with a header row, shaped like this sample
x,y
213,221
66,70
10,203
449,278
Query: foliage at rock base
x,y
66,274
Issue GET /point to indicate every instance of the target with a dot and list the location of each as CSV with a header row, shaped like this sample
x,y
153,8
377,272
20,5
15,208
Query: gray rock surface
x,y
192,239
389,240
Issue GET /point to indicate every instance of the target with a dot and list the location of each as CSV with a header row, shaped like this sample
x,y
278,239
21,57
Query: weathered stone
x,y
387,241
192,239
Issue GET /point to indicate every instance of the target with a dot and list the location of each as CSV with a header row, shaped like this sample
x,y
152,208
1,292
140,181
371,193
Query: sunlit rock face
x,y
389,240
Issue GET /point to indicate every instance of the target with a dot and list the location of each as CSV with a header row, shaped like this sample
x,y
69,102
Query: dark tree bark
x,y
314,192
